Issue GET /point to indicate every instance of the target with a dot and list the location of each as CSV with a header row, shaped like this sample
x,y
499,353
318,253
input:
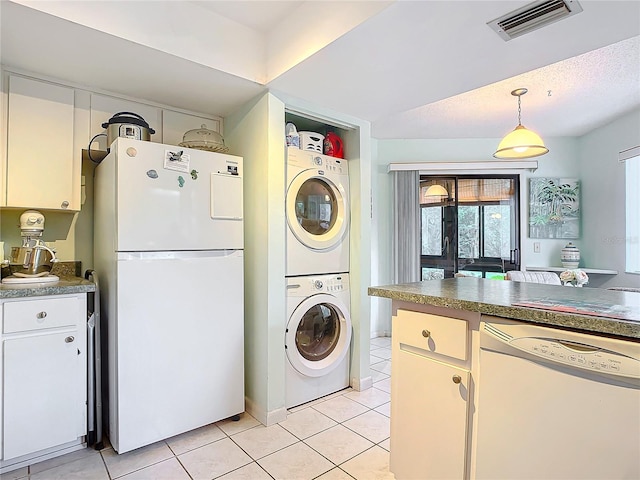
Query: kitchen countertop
x,y
618,313
65,285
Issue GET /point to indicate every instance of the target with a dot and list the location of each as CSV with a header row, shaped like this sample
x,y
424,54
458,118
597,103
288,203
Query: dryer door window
x,y
316,207
317,210
318,332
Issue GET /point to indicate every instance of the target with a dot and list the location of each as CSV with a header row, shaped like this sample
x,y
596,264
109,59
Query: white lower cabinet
x,y
43,375
429,397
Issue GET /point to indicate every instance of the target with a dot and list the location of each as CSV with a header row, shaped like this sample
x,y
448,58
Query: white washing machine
x,y
317,337
317,210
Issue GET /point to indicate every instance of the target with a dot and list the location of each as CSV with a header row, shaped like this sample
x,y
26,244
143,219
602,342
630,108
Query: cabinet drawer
x,y
29,315
432,333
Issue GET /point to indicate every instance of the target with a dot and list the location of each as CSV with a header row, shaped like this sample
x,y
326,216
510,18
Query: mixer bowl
x,y
31,260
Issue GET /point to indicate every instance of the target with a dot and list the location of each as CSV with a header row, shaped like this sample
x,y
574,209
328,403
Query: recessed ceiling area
x,y
427,69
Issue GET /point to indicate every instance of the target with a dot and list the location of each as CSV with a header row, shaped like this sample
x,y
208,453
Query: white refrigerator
x,y
168,246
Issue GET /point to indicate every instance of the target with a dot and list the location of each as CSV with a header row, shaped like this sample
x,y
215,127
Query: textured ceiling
x,y
571,97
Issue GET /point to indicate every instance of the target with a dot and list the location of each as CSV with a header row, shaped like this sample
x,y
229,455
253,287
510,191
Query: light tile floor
x,y
343,436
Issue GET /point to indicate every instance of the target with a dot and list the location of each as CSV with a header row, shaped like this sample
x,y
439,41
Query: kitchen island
x,y
483,370
611,312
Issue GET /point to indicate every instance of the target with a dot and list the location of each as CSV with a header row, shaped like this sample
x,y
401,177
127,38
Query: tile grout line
x,y
311,405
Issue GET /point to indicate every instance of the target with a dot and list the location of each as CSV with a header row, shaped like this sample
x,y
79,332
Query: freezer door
x,y
179,344
175,198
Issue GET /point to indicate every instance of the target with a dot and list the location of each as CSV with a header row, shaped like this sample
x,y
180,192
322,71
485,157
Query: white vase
x,y
570,256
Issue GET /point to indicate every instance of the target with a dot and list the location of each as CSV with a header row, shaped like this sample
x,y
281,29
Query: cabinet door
x,y
428,417
41,400
41,169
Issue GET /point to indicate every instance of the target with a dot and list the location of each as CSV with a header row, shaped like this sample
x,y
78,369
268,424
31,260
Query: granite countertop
x,y
71,281
65,285
614,312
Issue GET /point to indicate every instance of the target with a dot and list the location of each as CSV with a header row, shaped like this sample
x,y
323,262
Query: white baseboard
x,y
264,417
361,384
276,416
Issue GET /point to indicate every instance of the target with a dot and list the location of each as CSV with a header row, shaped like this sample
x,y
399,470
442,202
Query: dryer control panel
x,y
304,159
306,286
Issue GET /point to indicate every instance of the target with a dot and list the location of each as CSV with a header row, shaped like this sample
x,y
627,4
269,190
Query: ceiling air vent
x,y
533,16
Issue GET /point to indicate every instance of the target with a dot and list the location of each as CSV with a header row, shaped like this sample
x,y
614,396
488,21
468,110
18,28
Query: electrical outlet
x,y
536,247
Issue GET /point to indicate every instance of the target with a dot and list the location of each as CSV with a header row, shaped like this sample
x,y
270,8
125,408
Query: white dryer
x,y
317,337
317,210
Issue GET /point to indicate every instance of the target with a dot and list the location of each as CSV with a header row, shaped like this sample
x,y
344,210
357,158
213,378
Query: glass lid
x,y
204,139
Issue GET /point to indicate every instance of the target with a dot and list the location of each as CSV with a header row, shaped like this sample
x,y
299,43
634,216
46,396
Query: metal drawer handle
x,y
426,333
69,339
64,204
457,379
41,315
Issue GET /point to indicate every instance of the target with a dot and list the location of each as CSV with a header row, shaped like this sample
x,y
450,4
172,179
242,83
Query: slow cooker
x,y
127,125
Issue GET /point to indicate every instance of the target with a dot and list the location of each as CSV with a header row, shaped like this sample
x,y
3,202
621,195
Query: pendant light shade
x,y
436,191
520,143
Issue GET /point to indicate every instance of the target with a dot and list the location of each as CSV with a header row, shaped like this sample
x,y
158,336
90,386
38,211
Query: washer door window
x,y
318,335
317,210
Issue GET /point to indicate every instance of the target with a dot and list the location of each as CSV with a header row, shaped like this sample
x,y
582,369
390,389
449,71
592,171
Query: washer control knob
x,y
318,284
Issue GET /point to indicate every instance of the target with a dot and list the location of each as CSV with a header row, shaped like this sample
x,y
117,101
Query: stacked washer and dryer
x,y
318,331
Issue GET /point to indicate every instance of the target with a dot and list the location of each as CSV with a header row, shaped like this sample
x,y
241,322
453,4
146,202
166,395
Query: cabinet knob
x,y
426,333
456,379
64,204
41,315
69,339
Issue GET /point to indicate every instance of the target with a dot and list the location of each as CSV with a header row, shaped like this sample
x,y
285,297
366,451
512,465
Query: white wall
x,y
603,200
562,161
256,133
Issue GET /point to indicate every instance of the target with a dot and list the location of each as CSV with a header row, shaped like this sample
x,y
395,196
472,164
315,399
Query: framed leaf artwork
x,y
554,207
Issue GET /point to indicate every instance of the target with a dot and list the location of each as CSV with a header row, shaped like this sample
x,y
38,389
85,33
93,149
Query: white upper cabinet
x,y
47,126
175,125
104,107
42,169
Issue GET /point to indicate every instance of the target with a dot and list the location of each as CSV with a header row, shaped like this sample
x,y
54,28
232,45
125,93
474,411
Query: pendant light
x,y
520,143
436,191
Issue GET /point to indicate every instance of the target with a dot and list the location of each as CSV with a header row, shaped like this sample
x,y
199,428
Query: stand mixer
x,y
32,262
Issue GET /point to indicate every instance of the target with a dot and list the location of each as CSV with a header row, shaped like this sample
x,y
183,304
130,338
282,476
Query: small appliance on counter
x,y
127,125
32,262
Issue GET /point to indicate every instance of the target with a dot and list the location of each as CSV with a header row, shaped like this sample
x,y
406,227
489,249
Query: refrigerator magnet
x,y
177,160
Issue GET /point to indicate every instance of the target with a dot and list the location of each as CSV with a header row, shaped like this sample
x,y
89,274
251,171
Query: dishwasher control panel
x,y
579,355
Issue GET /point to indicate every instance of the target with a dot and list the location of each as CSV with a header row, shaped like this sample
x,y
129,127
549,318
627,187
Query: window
x,y
632,180
472,226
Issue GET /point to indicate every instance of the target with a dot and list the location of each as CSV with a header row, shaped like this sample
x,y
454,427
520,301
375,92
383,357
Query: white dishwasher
x,y
556,404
